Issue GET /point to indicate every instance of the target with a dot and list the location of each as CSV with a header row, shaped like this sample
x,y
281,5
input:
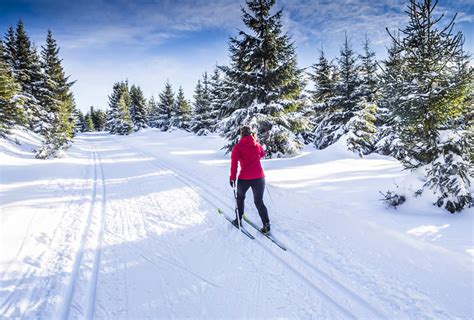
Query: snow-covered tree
x,y
340,106
368,72
217,98
138,108
119,120
388,123
434,93
203,119
166,106
11,111
55,97
153,113
323,77
182,115
266,82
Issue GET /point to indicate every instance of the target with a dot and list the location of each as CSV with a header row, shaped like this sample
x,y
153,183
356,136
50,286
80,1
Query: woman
x,y
248,153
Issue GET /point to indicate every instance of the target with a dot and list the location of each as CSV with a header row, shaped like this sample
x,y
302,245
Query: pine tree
x,y
266,82
99,119
166,108
343,104
119,120
368,72
89,123
9,50
26,68
153,113
203,118
324,81
435,93
217,98
138,108
11,112
182,116
52,90
388,124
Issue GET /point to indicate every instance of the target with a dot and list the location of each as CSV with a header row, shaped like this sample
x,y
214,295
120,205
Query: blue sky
x,y
151,41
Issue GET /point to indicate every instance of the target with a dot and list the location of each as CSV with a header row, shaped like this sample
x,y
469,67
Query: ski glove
x,y
232,183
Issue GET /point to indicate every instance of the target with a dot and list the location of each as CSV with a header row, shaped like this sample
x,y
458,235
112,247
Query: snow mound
x,y
20,144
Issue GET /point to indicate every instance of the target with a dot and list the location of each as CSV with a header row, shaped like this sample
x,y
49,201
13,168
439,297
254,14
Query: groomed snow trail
x,y
127,228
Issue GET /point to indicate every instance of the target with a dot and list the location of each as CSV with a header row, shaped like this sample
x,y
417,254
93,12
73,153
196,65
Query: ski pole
x,y
236,206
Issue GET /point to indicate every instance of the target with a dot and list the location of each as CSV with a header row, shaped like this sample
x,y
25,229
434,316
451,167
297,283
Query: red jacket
x,y
248,152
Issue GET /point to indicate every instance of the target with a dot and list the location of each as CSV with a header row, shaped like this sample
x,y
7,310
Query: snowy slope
x,y
126,227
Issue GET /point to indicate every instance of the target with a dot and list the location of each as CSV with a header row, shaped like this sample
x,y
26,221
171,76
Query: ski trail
x,y
336,286
75,298
329,281
92,291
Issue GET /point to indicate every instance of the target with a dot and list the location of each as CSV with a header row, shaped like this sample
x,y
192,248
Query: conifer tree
x,y
388,124
217,98
340,106
153,113
266,82
89,123
368,72
9,50
203,118
11,112
138,108
28,74
182,116
434,100
166,108
55,97
119,120
323,78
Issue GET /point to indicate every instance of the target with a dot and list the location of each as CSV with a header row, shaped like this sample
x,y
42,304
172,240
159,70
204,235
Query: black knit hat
x,y
246,131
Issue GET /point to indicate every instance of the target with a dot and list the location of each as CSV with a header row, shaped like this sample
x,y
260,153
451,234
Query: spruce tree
x,y
434,102
11,112
55,97
368,72
388,123
203,118
89,123
182,116
138,108
153,113
217,98
119,120
266,82
26,68
9,50
166,108
323,78
342,105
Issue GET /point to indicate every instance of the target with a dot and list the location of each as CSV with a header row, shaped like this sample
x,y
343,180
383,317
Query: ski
x,y
244,231
268,235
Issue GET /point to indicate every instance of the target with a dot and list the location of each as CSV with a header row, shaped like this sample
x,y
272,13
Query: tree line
x,y
35,92
416,105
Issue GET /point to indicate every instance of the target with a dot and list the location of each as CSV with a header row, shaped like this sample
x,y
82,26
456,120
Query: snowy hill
x,y
127,227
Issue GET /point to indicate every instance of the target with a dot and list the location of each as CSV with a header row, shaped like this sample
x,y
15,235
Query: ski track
x,y
53,258
75,298
325,280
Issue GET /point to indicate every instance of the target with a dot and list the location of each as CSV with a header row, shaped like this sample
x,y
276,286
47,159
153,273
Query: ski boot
x,y
266,228
236,223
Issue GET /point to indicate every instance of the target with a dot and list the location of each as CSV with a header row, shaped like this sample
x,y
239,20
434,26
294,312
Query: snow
x,y
127,227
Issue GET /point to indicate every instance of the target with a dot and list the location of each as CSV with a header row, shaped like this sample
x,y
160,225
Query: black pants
x,y
258,187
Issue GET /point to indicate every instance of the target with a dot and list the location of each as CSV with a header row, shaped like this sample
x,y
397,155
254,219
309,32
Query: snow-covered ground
x,y
127,227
